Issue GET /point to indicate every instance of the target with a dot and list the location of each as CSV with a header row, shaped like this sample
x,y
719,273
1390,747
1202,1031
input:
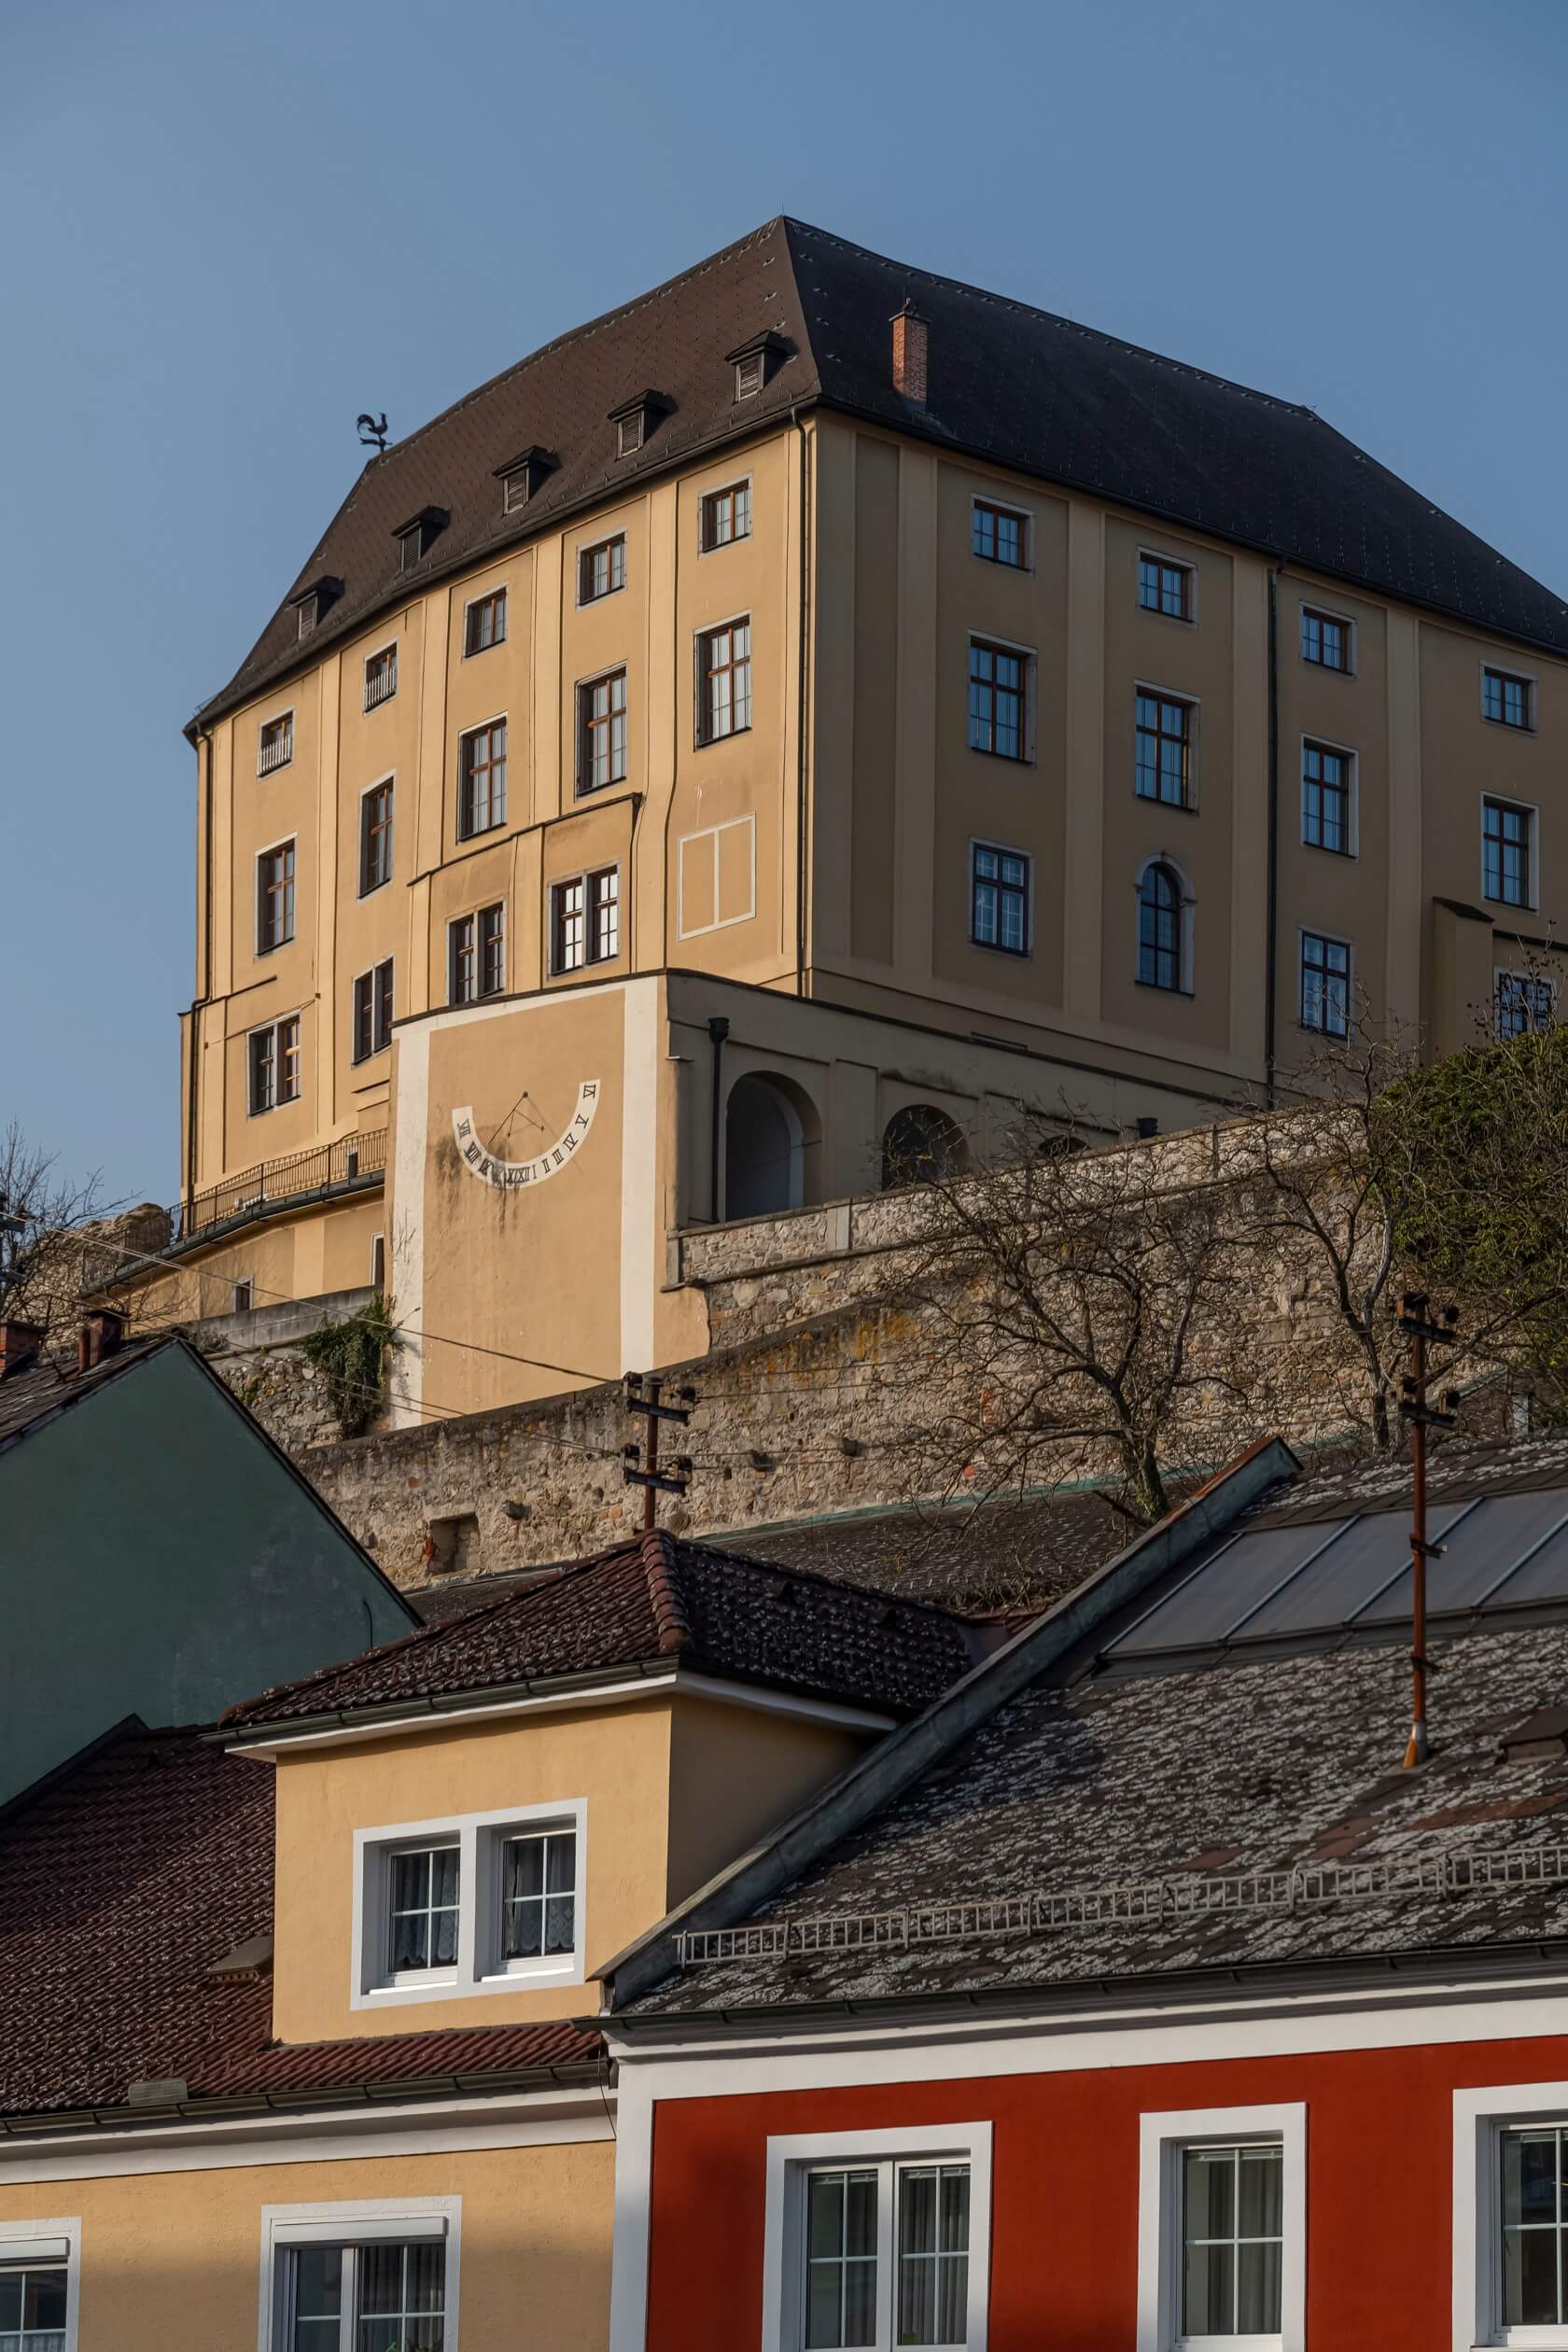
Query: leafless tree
x,y
45,1222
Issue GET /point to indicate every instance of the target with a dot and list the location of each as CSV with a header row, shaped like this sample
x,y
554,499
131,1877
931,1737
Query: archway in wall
x,y
921,1145
769,1129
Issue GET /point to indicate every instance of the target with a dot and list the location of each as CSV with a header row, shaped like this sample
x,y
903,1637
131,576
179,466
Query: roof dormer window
x,y
637,420
522,476
312,604
418,535
754,361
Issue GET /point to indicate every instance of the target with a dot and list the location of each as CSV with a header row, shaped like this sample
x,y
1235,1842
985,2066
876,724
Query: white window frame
x,y
1031,659
481,726
589,547
282,1102
1530,904
790,2159
1480,2117
374,786
1353,788
357,1059
587,876
485,596
1004,506
1186,935
1343,620
1527,678
994,947
278,717
1175,563
49,2242
1162,2138
289,841
357,2221
720,490
700,638
375,655
711,833
479,1969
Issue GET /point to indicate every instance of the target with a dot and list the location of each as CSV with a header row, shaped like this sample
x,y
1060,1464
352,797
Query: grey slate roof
x,y
1008,383
1190,1775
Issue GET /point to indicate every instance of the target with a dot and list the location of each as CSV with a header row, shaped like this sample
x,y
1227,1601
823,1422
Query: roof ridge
x,y
661,1559
890,1596
1055,319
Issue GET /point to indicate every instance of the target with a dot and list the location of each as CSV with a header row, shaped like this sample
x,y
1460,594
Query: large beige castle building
x,y
797,722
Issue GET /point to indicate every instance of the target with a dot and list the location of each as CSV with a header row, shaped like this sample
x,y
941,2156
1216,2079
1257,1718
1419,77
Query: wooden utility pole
x,y
1422,1334
643,1393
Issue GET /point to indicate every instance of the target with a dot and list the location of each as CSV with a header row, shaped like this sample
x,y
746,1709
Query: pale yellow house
x,y
292,2037
809,715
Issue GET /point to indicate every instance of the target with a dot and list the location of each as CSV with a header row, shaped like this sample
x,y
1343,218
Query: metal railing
x,y
1133,1903
276,1184
380,684
275,751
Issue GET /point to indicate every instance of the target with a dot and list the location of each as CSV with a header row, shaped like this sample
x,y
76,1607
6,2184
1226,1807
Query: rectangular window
x,y
884,2257
482,779
373,1012
1165,587
476,955
998,682
585,920
724,681
381,677
275,747
1232,2240
1325,798
274,1064
32,2305
1524,1003
383,2296
1506,829
999,535
375,837
484,623
538,1895
998,895
274,898
1165,744
726,515
601,569
1507,700
601,731
422,1912
1325,639
1325,985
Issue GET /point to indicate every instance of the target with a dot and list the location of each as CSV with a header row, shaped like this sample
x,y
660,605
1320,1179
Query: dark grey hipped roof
x,y
1006,381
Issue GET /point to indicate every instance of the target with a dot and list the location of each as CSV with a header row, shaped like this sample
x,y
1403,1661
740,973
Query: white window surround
x,y
1480,2117
479,1969
54,2240
1327,612
358,2221
1006,505
1501,666
720,489
1161,2139
790,2159
1149,554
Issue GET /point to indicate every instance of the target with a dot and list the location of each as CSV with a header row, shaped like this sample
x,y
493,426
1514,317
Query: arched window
x,y
1159,927
921,1145
767,1147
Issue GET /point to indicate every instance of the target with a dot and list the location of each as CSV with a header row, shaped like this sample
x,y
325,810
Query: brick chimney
x,y
20,1343
101,1334
909,355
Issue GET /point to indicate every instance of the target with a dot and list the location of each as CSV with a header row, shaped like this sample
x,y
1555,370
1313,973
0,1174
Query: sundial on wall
x,y
509,1175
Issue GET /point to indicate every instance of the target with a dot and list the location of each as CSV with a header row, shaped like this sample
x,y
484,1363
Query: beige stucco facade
x,y
808,881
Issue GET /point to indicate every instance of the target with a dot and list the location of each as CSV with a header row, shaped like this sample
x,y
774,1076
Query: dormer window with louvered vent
x,y
637,420
418,535
522,476
754,362
312,604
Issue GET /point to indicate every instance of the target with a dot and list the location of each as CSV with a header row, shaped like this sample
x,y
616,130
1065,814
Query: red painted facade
x,y
1065,2190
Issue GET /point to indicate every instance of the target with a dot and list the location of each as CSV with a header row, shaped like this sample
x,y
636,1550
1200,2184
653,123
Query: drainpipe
x,y
203,756
718,1029
801,712
1271,947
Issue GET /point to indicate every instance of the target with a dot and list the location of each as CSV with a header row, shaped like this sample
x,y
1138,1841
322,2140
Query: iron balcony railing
x,y
276,751
353,1160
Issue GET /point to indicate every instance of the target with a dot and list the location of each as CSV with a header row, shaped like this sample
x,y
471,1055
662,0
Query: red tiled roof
x,y
120,1885
655,1602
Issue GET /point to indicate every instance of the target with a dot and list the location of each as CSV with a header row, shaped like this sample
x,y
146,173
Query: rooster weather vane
x,y
372,430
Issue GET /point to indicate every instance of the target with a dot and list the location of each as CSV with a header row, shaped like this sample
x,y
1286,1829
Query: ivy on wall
x,y
353,1356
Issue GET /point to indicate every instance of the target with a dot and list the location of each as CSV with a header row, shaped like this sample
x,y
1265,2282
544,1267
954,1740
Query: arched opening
x,y
921,1145
1164,928
770,1130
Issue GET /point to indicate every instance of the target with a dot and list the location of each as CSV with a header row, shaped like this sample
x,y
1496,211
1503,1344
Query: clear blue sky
x,y
228,229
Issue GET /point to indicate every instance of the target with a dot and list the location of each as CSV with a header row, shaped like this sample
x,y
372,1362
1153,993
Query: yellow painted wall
x,y
737,1773
171,2262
